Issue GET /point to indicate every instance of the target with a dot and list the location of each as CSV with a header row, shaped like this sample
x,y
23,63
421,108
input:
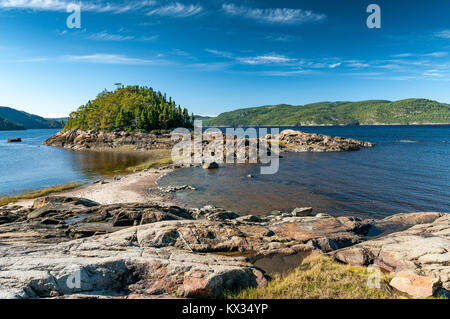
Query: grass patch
x,y
150,164
5,200
320,277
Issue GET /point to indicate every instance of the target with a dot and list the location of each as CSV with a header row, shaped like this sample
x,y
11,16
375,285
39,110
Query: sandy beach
x,y
139,187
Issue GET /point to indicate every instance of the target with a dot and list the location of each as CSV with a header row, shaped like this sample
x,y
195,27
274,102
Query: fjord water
x,y
407,171
31,165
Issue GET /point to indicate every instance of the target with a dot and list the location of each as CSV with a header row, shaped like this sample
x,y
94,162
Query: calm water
x,y
390,178
30,165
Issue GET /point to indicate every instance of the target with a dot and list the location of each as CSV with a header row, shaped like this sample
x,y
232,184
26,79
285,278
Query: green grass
x,y
320,277
150,164
5,200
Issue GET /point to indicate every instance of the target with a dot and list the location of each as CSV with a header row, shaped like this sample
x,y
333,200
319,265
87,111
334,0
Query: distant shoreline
x,y
281,125
331,125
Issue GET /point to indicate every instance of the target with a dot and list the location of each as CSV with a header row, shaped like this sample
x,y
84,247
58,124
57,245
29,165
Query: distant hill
x,y
6,125
29,121
202,117
57,119
410,111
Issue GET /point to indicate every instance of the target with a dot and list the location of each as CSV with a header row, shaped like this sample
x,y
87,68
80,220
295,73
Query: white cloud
x,y
104,36
106,59
433,73
402,55
273,15
437,54
445,34
61,5
265,59
334,65
177,10
409,55
356,64
220,53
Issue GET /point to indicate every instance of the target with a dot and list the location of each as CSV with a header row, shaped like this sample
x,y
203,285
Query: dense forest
x,y
27,120
131,108
410,111
6,125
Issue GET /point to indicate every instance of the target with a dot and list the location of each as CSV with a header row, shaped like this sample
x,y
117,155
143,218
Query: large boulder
x,y
415,285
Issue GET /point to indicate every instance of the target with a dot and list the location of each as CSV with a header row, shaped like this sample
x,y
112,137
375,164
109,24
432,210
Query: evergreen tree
x,y
129,108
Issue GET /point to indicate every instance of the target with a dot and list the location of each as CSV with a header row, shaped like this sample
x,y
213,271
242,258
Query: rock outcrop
x,y
291,140
190,253
94,140
65,246
424,248
297,141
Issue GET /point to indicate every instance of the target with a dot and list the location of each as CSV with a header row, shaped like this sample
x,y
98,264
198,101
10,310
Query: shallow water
x,y
391,178
31,165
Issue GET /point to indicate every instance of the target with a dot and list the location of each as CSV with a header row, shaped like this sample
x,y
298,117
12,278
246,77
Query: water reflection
x,y
92,163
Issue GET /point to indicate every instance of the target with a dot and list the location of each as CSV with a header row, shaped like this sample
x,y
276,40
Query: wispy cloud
x,y
445,34
265,59
281,38
437,54
334,65
182,53
357,64
273,15
402,55
409,55
220,53
105,36
61,5
271,58
177,10
101,58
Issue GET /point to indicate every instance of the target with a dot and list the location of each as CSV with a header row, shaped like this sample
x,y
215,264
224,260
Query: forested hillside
x,y
29,121
6,125
131,108
410,111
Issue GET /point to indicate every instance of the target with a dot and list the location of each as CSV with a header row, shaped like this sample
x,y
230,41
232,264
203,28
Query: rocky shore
x,y
290,140
95,140
143,250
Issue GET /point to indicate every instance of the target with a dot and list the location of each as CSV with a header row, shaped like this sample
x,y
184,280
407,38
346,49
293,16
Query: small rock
x,y
211,165
302,211
249,219
276,212
172,189
323,215
415,285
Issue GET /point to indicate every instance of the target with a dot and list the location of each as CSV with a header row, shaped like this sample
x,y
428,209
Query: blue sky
x,y
219,55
